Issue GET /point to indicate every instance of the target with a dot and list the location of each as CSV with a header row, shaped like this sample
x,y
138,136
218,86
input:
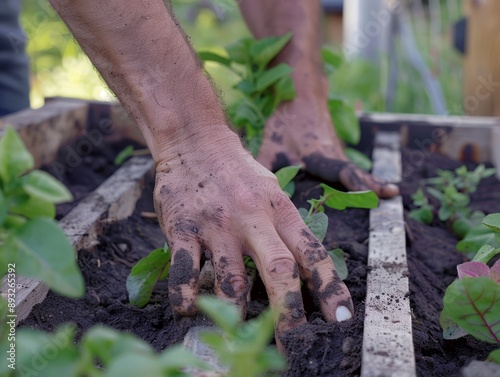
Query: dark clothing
x,y
14,65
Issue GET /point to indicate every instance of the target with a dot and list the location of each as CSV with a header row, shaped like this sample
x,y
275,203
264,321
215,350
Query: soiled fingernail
x,y
343,314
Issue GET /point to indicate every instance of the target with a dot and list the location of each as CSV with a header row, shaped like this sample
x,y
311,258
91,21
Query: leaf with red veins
x,y
473,269
474,305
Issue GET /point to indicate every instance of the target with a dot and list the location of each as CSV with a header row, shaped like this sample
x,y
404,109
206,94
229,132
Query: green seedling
x,y
243,347
29,236
485,233
128,152
464,181
424,211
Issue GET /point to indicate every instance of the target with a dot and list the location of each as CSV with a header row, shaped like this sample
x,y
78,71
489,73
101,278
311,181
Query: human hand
x,y
219,201
301,133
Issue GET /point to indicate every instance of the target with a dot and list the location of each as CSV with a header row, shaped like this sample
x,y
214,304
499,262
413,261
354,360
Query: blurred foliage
x,y
60,68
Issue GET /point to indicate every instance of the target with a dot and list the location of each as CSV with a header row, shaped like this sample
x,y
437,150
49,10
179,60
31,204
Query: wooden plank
x,y
114,200
465,139
387,339
46,129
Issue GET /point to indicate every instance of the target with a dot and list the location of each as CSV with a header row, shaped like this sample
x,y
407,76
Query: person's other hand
x,y
301,133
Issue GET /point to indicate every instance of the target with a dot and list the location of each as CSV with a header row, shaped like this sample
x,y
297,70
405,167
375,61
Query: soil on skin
x,y
315,348
432,260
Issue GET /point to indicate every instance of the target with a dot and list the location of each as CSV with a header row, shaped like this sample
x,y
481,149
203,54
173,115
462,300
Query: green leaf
x,y
238,51
462,225
266,49
493,222
284,90
132,364
332,59
286,175
474,305
444,212
124,154
208,56
106,344
450,329
35,207
271,76
14,221
360,159
289,189
246,86
3,207
42,185
355,199
14,157
317,223
494,357
485,253
225,315
145,274
423,215
345,120
43,252
476,238
338,260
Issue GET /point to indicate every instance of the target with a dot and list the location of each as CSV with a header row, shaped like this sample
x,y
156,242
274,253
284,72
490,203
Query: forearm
x,y
143,56
276,17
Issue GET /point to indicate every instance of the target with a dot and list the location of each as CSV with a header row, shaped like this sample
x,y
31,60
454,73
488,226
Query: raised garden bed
x,y
378,341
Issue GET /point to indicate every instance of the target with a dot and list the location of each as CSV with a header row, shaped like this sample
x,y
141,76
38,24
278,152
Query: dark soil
x,y
432,260
316,348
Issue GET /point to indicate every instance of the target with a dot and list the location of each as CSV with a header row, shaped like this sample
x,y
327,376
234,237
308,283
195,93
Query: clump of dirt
x,y
432,261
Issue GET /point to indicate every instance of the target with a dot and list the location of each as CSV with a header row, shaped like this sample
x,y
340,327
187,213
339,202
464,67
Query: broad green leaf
x,y
145,274
450,328
13,221
177,357
445,212
289,189
35,207
271,76
286,175
493,222
485,253
338,260
355,199
476,238
423,215
14,157
436,193
42,185
246,86
3,207
345,120
208,56
265,50
225,315
238,51
284,90
494,356
462,225
106,344
360,159
124,154
135,364
43,252
317,223
474,305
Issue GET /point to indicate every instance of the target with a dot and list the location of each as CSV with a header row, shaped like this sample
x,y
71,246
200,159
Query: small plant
x,y
452,190
487,232
471,304
29,237
262,89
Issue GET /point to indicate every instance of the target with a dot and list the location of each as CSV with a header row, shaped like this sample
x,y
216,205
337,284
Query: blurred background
x,y
413,63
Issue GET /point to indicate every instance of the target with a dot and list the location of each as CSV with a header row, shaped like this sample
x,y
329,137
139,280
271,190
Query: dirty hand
x,y
301,132
218,201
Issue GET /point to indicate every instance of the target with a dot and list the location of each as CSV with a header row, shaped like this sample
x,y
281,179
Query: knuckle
x,y
233,285
248,200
